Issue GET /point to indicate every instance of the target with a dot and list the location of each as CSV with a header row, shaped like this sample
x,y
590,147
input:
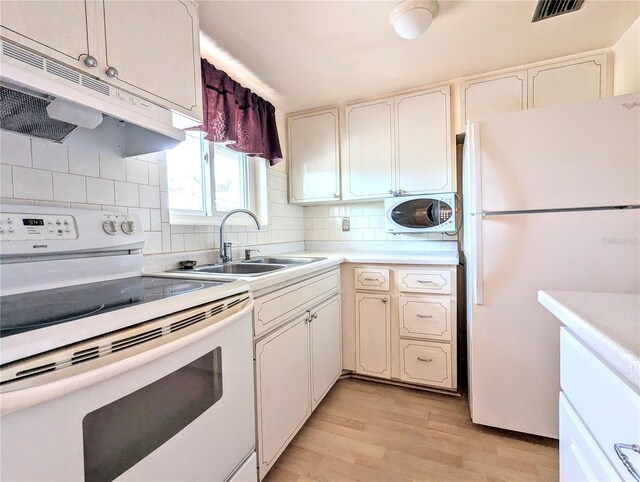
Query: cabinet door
x,y
423,127
159,60
368,164
373,335
326,347
282,389
481,99
314,159
57,29
575,80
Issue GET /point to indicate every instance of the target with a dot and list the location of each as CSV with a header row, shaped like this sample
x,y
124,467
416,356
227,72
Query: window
x,y
206,180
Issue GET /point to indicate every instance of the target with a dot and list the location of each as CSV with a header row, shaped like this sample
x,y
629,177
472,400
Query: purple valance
x,y
236,116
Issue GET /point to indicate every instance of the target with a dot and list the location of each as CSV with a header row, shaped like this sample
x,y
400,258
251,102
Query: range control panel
x,y
24,227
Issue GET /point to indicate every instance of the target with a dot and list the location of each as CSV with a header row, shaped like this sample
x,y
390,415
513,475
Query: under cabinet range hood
x,y
43,98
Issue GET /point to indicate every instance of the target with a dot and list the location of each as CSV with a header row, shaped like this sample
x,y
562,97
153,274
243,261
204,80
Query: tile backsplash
x,y
324,223
48,174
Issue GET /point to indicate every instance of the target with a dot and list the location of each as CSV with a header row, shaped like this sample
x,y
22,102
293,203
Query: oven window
x,y
120,434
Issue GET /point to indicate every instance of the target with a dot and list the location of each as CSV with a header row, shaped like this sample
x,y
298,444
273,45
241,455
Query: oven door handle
x,y
26,397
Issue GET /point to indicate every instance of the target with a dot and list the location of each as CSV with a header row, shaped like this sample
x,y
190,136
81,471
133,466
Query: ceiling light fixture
x,y
411,18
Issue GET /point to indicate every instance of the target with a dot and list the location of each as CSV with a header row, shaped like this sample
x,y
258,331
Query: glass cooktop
x,y
24,312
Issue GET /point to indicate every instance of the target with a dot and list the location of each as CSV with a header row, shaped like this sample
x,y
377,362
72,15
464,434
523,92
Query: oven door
x,y
175,409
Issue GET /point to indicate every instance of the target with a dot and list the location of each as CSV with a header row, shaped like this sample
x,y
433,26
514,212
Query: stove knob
x,y
110,227
128,227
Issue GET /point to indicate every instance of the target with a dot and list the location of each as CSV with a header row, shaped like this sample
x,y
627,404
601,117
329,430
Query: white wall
x,y
626,62
49,174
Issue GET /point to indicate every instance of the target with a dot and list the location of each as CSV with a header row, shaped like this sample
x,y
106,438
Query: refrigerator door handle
x,y
476,245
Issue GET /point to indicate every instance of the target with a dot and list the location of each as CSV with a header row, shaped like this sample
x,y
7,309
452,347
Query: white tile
x,y
112,167
145,217
115,209
166,238
53,204
84,161
6,182
156,219
100,191
207,240
152,242
149,196
154,177
32,184
137,170
164,206
50,156
182,228
126,194
192,242
162,173
69,187
177,242
15,149
153,157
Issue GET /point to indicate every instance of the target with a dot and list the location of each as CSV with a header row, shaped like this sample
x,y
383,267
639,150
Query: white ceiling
x,y
304,54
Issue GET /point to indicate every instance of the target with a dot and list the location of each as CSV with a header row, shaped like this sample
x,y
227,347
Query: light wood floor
x,y
374,432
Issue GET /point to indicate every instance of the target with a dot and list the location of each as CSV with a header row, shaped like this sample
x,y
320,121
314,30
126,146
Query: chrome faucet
x,y
226,254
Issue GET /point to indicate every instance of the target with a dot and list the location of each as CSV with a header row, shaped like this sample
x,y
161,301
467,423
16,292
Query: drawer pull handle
x,y
424,316
371,279
426,282
384,300
625,460
426,360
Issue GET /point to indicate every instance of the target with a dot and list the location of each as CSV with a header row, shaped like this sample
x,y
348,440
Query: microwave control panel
x,y
27,227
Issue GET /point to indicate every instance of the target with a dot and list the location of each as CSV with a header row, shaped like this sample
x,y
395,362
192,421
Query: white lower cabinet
x,y
283,392
296,364
426,363
373,335
401,326
598,410
326,348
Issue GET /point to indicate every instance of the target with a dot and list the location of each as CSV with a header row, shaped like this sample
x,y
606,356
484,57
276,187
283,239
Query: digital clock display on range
x,y
32,222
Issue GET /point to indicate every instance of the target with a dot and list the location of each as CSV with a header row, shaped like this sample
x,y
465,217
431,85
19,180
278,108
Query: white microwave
x,y
432,213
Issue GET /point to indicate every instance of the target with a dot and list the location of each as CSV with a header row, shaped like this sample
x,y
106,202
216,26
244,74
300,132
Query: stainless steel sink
x,y
239,269
286,260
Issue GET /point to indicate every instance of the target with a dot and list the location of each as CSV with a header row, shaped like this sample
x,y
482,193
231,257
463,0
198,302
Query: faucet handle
x,y
247,253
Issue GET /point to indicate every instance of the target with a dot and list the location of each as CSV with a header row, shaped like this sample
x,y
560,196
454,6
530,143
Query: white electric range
x,y
107,373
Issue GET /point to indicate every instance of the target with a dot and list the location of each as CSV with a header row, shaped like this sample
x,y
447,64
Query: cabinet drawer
x,y
426,363
580,456
376,279
608,406
425,280
425,317
274,308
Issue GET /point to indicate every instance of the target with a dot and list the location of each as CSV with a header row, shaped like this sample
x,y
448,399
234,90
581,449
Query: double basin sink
x,y
251,267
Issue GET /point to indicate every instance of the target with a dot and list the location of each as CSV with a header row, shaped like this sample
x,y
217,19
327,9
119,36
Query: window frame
x,y
254,191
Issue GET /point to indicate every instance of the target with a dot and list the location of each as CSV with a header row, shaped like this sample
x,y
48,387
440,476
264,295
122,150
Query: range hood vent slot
x,y
551,8
23,55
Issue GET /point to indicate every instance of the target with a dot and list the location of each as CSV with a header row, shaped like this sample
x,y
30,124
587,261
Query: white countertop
x,y
608,323
333,258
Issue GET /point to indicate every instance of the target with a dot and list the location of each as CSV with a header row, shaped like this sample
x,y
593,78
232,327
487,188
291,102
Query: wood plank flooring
x,y
373,432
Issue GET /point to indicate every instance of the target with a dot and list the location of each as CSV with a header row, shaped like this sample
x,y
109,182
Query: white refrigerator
x,y
551,202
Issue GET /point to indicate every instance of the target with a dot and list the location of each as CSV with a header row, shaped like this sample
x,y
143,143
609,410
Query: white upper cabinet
x,y
111,40
367,170
575,80
483,98
314,157
553,83
160,63
423,145
57,29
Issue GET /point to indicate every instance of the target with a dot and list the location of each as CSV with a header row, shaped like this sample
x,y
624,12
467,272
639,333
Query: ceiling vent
x,y
551,8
